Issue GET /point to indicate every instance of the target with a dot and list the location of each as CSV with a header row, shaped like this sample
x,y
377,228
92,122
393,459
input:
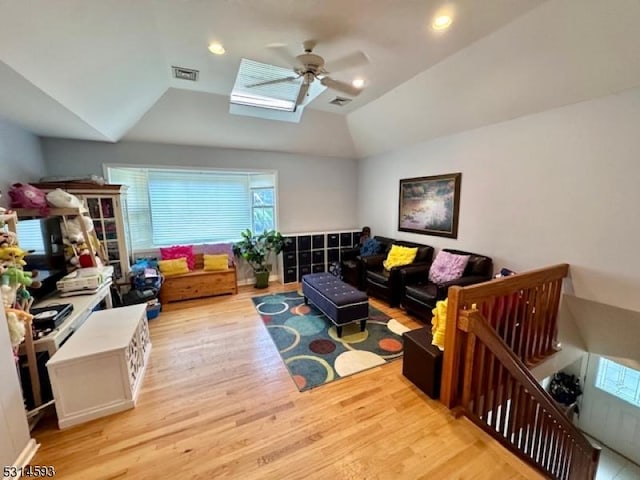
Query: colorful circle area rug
x,y
309,344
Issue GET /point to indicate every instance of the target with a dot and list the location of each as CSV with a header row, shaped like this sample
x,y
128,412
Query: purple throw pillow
x,y
219,248
447,266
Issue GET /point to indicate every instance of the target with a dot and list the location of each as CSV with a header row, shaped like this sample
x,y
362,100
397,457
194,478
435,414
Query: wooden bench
x,y
199,283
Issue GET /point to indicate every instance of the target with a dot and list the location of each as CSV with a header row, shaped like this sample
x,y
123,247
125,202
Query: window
x,y
618,380
30,236
184,206
262,209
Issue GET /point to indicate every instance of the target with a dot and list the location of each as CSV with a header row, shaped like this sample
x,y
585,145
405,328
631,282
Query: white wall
x,y
20,158
314,193
560,53
558,186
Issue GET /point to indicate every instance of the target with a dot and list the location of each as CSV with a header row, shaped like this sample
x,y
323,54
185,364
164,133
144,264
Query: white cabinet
x,y
107,207
99,370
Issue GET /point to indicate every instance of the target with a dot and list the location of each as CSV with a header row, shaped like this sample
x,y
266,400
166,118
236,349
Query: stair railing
x,y
501,396
522,309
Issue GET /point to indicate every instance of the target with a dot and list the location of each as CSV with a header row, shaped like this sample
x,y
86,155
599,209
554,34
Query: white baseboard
x,y
25,456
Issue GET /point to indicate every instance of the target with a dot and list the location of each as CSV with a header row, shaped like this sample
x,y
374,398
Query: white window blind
x,y
198,207
170,206
138,209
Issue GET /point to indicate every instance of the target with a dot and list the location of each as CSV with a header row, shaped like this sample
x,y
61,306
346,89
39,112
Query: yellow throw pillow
x,y
176,266
399,255
216,262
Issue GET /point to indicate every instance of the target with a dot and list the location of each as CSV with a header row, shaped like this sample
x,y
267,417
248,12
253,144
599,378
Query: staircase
x,y
496,332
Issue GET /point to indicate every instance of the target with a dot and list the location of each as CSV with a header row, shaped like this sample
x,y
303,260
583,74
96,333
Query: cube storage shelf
x,y
313,252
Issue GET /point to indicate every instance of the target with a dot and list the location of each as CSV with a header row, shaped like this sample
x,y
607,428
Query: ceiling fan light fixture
x,y
441,22
216,48
358,82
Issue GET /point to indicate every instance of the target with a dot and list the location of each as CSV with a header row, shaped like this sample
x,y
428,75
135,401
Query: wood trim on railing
x,y
551,421
539,292
507,285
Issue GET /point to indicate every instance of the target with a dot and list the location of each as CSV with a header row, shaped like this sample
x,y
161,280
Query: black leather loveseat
x,y
351,265
387,284
419,295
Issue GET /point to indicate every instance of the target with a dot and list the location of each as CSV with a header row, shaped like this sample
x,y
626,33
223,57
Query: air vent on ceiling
x,y
185,73
340,101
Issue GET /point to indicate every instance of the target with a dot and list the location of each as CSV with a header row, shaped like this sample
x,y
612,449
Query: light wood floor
x,y
218,402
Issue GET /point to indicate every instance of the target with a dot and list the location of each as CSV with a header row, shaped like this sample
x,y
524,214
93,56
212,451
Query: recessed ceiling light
x,y
441,23
358,83
216,49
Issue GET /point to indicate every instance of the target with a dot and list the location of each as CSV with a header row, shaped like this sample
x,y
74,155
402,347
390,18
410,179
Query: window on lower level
x,y
169,206
618,380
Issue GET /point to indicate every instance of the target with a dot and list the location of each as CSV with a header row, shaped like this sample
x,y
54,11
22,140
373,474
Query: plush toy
x,y
62,199
17,329
72,231
439,323
83,257
17,276
8,295
13,256
7,238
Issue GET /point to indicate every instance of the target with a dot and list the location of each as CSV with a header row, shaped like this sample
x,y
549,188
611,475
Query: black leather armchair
x,y
387,284
419,295
351,265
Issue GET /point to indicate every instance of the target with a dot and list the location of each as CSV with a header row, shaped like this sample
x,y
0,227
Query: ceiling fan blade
x,y
282,52
352,60
271,82
304,88
340,86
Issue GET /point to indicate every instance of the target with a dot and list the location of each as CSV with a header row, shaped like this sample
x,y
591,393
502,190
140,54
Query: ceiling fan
x,y
310,66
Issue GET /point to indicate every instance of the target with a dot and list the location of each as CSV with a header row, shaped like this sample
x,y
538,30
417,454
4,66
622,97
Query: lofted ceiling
x,y
101,70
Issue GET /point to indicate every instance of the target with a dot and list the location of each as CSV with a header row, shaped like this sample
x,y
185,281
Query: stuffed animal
x,y
7,238
17,329
439,323
13,256
17,276
72,231
62,199
8,295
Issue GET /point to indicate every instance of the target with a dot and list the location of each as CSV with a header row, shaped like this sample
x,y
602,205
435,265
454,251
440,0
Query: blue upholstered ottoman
x,y
339,301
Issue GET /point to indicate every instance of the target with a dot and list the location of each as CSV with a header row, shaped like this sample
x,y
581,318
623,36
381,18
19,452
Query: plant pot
x,y
262,279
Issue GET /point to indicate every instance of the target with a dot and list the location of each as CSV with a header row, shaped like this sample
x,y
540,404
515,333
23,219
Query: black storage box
x,y
422,362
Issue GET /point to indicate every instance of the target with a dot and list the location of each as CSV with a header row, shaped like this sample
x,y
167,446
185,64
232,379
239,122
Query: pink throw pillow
x,y
179,251
447,266
218,249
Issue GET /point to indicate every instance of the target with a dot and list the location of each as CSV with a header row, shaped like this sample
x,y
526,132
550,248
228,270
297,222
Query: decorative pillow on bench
x,y
176,266
219,249
214,263
179,251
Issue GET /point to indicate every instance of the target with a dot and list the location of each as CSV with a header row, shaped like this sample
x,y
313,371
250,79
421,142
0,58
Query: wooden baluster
x,y
479,376
468,370
500,398
522,315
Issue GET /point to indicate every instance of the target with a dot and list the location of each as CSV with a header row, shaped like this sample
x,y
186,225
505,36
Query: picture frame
x,y
430,205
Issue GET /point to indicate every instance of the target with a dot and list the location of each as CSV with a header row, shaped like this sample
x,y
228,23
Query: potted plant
x,y
256,250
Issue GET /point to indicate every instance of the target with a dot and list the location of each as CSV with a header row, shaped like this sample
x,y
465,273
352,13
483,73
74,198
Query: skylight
x,y
275,101
279,96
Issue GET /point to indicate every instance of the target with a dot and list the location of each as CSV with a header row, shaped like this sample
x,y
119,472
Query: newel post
x,y
450,382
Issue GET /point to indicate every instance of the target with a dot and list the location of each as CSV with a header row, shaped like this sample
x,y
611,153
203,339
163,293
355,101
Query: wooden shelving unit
x,y
90,238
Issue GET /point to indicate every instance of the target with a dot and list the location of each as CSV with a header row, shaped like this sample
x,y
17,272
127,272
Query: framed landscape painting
x,y
429,205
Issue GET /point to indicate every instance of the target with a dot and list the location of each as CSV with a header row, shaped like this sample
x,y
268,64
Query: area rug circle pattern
x,y
309,345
